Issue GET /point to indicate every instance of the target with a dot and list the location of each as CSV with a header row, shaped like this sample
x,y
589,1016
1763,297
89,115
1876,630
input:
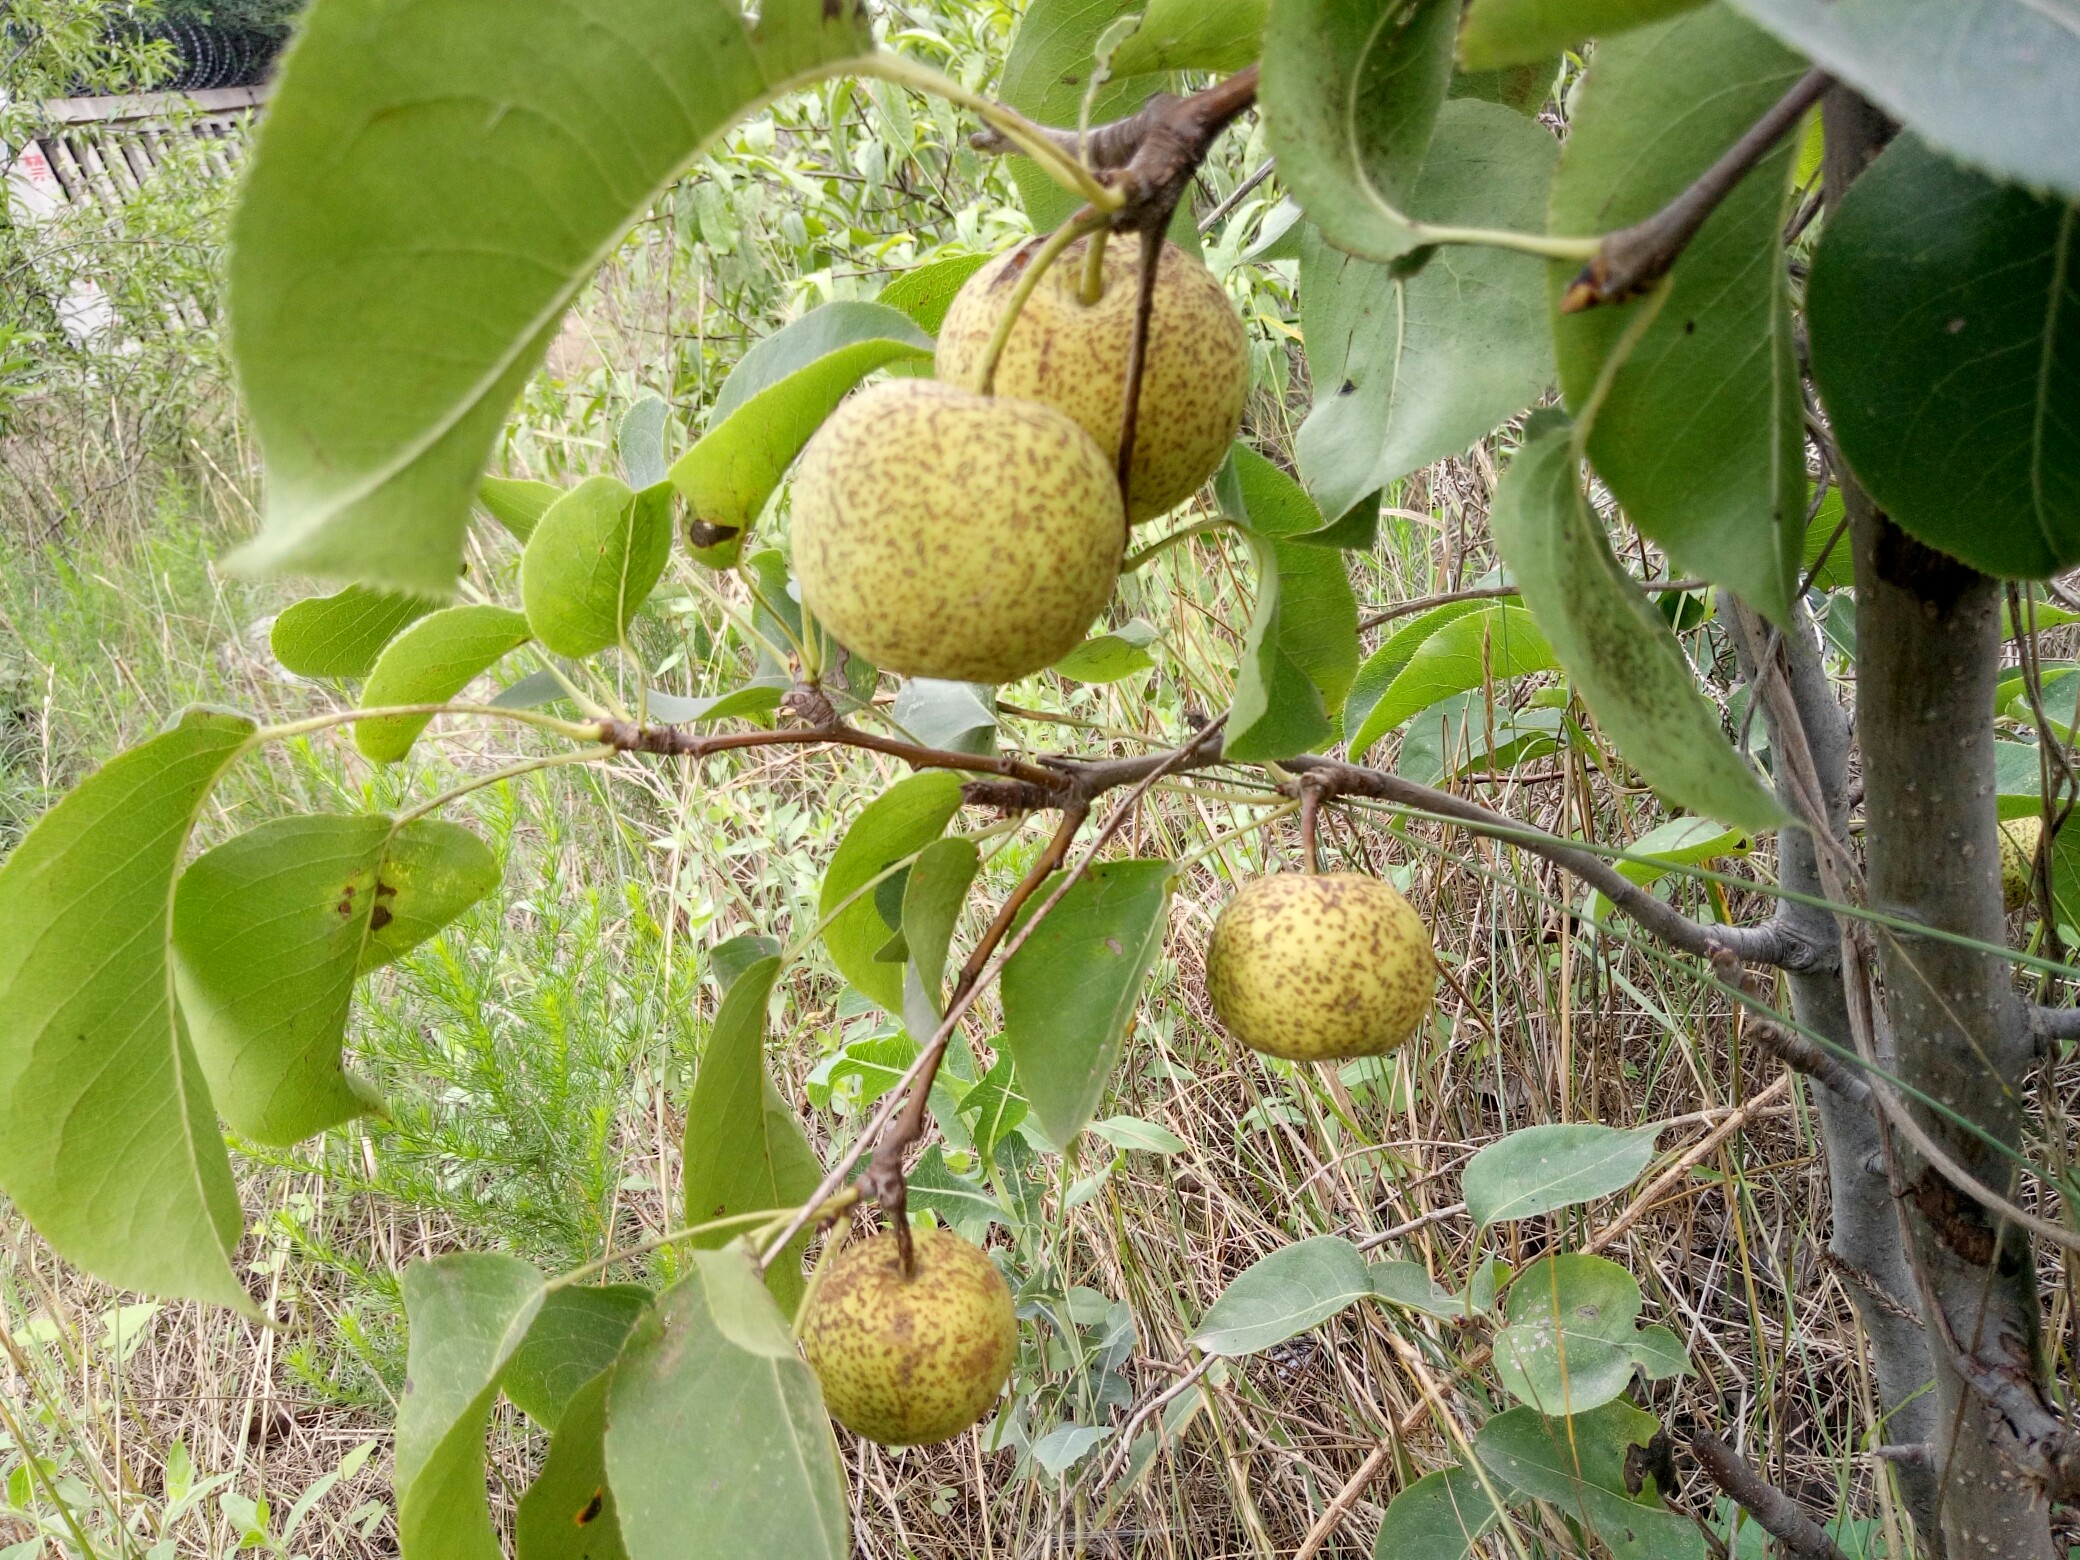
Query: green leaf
x,y
1216,35
517,504
1379,670
1578,1465
577,1334
1524,88
1439,1517
1538,1169
1070,990
431,872
1350,92
960,1201
430,663
1107,658
1301,653
341,635
1410,369
108,1142
1295,1288
1617,649
744,1148
1408,1285
1988,81
1131,1132
1572,1320
737,704
994,1106
640,440
717,1444
958,716
1945,317
568,1513
1520,32
1701,435
1660,1354
933,895
1837,570
900,822
270,930
592,562
431,188
1046,76
774,402
1680,842
924,293
468,1314
1494,644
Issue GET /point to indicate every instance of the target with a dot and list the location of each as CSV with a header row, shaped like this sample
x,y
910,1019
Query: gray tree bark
x,y
1866,1233
1928,632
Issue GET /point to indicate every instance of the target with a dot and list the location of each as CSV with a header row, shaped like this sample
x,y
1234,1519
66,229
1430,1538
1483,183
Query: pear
x,y
945,534
906,1360
1320,968
2019,838
1073,356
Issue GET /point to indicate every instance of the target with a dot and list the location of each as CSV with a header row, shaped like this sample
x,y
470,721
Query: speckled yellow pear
x,y
1320,968
2019,838
908,1360
1073,356
945,534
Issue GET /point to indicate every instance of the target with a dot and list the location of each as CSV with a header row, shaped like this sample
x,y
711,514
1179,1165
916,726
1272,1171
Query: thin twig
x,y
1633,259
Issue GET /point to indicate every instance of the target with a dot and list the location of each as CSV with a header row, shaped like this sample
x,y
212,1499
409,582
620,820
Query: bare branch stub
x,y
1778,1514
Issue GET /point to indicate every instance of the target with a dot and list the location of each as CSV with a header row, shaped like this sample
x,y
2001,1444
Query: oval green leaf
x,y
1617,649
1495,643
1945,316
341,635
1070,990
717,1443
1350,93
899,823
1701,432
431,188
1989,81
516,503
429,663
108,1141
1567,1347
270,930
468,1313
1441,1516
1295,1288
773,404
1538,1169
576,1335
1410,369
592,562
744,1149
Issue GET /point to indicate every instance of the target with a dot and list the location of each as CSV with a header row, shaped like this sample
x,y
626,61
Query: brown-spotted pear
x,y
2019,838
1320,968
945,534
908,1360
1073,356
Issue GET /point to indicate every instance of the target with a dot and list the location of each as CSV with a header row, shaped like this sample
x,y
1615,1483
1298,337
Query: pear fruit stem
x,y
1085,221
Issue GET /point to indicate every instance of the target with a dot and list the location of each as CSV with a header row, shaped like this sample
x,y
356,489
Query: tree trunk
x,y
1866,1233
1928,639
1928,655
